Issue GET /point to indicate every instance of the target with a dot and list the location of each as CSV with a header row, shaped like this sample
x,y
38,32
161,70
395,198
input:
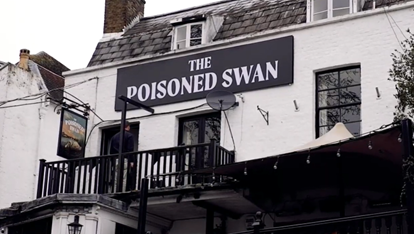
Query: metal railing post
x,y
40,178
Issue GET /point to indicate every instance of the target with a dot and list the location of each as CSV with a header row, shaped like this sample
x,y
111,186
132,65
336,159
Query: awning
x,y
372,157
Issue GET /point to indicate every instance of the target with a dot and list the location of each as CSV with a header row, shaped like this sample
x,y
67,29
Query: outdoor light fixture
x,y
75,227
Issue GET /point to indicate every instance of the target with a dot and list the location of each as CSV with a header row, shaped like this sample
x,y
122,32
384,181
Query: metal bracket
x,y
265,114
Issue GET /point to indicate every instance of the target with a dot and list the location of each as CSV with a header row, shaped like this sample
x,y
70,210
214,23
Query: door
x,y
197,130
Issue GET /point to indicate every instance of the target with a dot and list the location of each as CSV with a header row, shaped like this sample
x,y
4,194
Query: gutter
x,y
213,45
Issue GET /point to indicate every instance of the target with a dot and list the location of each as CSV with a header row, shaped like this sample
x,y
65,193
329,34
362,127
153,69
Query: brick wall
x,y
119,13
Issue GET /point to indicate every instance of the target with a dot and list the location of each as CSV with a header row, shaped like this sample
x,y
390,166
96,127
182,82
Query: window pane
x,y
320,5
320,16
190,132
196,31
329,117
181,33
350,95
350,77
195,42
340,4
354,128
340,12
213,126
324,130
328,98
328,80
181,45
351,114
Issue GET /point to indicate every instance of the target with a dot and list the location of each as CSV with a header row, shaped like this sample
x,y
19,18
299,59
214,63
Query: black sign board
x,y
237,69
72,135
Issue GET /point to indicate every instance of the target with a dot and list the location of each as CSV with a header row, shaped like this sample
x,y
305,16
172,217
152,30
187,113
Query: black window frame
x,y
317,91
114,129
43,225
201,121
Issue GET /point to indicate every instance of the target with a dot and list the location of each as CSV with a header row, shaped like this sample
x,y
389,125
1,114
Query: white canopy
x,y
338,133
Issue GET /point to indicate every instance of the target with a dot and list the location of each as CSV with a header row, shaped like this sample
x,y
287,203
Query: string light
x,y
399,138
338,153
245,170
308,159
275,166
370,145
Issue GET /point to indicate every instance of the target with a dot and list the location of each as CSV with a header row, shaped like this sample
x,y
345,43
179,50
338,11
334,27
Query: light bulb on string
x,y
245,169
308,159
399,138
275,166
338,153
370,145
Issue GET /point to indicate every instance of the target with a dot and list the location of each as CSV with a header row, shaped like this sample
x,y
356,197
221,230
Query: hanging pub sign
x,y
237,69
72,135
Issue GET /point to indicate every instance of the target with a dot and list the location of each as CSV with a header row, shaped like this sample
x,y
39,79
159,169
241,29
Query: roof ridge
x,y
187,9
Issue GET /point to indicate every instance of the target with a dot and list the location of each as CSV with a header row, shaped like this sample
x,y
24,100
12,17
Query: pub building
x,y
248,116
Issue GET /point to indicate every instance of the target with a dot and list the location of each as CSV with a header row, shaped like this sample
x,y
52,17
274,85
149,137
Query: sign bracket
x,y
265,114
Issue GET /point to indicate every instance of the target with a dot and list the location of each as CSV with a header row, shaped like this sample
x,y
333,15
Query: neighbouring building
x,y
30,92
306,137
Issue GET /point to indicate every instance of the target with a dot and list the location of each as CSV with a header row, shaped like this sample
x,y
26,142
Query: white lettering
x,y
191,62
210,81
228,80
140,92
198,83
176,84
187,85
131,91
245,74
153,89
161,87
208,62
258,73
272,70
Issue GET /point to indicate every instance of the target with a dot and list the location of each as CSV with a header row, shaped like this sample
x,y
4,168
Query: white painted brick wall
x,y
20,137
368,41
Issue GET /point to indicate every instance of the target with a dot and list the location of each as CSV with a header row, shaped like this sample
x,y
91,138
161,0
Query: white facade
x,y
28,133
364,38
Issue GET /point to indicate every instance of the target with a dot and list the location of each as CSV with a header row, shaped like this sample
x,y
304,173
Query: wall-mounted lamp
x,y
378,93
75,227
296,105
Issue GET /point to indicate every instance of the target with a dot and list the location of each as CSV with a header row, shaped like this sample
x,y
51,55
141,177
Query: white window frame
x,y
188,34
353,8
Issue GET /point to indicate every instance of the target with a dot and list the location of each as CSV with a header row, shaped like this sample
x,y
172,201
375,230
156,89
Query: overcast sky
x,y
67,30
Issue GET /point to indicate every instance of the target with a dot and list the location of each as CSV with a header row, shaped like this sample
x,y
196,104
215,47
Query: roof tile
x,y
241,17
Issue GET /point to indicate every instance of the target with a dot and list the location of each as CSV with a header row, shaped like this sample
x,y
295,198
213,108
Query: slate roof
x,y
241,17
51,71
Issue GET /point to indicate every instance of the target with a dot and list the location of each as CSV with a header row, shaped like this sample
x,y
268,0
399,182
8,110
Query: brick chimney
x,y
119,13
24,59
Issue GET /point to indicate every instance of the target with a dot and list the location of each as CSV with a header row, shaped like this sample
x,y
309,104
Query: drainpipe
x,y
42,111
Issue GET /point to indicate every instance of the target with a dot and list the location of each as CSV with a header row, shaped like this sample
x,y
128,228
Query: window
x,y
338,99
323,9
42,226
122,229
198,130
108,133
188,35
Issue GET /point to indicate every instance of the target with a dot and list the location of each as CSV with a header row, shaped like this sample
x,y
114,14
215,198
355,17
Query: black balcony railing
x,y
392,222
170,167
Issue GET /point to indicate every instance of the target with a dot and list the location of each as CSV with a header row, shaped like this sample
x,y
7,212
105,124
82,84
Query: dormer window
x,y
188,35
189,31
323,9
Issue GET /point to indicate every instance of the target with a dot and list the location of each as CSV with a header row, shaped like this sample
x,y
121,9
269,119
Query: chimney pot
x,y
119,13
24,59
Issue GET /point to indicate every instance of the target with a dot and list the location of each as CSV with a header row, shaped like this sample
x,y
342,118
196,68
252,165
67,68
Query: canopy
x,y
338,133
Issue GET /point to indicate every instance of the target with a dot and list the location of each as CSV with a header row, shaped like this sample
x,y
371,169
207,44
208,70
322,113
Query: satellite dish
x,y
221,100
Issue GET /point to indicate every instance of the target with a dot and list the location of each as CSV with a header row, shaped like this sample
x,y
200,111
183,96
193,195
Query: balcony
x,y
166,168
